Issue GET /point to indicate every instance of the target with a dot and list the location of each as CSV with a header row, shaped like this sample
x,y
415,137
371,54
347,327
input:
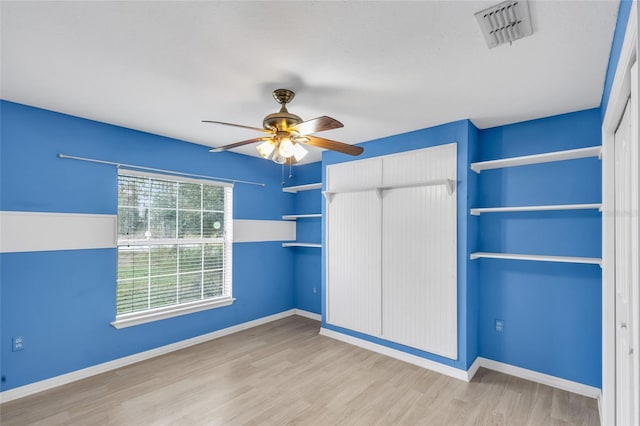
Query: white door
x,y
626,266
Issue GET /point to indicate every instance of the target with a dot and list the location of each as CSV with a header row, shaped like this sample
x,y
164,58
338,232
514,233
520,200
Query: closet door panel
x,y
419,289
359,175
353,255
420,166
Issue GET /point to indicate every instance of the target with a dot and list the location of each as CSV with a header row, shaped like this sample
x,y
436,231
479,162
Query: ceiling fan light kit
x,y
287,132
282,148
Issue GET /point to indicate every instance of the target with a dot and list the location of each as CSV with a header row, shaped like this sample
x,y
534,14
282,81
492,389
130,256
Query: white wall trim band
x,y
402,356
44,231
252,231
30,389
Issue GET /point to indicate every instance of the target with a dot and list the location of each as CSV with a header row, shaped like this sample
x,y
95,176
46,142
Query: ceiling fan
x,y
286,133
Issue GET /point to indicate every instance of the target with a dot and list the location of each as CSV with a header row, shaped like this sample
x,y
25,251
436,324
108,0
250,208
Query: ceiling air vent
x,y
505,22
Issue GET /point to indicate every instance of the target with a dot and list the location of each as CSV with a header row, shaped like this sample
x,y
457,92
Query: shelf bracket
x,y
328,196
451,186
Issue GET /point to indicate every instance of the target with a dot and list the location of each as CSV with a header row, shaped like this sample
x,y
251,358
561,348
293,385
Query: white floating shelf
x,y
478,211
301,245
300,216
562,259
572,154
306,187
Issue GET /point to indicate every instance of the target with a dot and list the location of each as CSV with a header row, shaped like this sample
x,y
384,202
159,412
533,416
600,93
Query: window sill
x,y
129,320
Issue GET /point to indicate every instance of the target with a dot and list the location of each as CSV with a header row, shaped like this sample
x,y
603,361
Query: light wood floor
x,y
285,373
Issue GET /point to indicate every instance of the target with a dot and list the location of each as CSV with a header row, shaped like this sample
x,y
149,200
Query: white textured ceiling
x,y
380,67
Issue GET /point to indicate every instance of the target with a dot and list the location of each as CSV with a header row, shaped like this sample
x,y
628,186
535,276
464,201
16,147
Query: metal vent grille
x,y
505,22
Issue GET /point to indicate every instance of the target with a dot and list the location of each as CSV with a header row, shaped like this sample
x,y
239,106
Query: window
x,y
174,246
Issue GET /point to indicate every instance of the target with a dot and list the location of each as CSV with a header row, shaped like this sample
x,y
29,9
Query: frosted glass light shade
x,y
265,149
286,148
299,152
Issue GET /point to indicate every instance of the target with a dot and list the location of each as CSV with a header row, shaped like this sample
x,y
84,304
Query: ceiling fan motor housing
x,y
283,119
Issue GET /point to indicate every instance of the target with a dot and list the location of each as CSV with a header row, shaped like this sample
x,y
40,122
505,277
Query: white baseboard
x,y
544,379
402,356
473,369
534,376
308,314
32,388
467,376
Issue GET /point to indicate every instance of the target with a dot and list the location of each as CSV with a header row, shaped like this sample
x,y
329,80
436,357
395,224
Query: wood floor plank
x,y
285,373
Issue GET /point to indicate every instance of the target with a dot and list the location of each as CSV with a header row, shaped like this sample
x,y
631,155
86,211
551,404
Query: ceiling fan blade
x,y
235,125
317,125
241,143
333,145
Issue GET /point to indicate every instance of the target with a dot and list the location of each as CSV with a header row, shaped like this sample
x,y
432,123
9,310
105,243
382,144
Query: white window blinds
x,y
174,243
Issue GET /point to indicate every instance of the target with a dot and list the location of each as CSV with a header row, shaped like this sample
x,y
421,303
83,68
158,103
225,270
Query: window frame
x,y
169,311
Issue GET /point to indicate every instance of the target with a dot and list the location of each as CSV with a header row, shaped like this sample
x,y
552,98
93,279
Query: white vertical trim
x,y
228,242
620,90
44,231
635,282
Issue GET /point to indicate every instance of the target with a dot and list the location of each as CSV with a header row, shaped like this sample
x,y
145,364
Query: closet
x,y
391,248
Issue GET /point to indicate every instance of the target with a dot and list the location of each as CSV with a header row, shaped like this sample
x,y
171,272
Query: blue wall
x,y
551,313
307,261
465,134
62,302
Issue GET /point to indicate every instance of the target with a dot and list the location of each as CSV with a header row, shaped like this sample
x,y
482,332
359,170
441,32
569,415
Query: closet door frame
x,y
620,92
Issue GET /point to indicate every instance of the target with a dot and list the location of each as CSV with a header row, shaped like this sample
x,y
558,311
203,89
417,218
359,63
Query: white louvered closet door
x,y
353,247
391,248
419,251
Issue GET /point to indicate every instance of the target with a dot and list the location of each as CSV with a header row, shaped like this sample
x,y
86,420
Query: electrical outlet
x,y
499,326
315,290
18,343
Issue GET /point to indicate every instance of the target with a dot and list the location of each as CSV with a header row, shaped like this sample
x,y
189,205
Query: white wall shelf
x,y
300,216
535,257
478,211
572,154
296,244
307,187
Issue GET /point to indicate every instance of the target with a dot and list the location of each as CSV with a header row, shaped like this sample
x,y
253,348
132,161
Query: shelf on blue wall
x,y
294,244
547,157
536,257
300,216
307,187
478,211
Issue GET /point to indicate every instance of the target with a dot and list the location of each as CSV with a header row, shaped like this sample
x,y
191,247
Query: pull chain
x,y
283,183
282,178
